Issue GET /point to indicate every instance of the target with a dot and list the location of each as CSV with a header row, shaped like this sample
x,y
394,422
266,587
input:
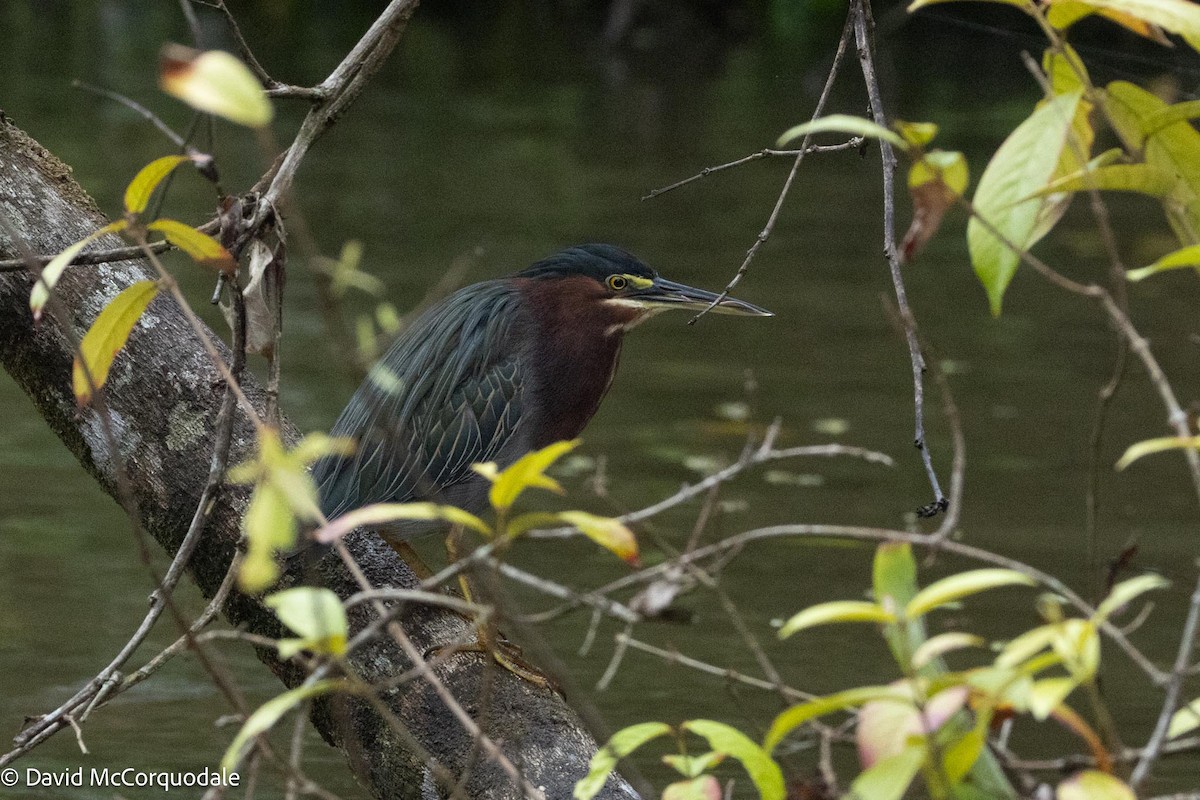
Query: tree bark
x,y
163,395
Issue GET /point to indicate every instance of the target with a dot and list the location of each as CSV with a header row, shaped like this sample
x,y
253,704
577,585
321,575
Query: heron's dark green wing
x,y
447,395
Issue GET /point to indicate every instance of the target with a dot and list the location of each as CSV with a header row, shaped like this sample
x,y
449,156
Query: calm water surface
x,y
497,138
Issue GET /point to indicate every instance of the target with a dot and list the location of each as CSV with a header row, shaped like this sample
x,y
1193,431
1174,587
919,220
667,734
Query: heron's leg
x,y
410,557
489,640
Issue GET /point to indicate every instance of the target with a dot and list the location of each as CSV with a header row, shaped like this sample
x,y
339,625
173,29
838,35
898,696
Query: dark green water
x,y
504,135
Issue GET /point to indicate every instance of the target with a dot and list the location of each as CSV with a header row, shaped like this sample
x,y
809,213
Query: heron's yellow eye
x,y
617,282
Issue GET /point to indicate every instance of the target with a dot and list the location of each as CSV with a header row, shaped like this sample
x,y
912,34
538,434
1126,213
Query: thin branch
x,y
852,144
864,34
765,233
1187,641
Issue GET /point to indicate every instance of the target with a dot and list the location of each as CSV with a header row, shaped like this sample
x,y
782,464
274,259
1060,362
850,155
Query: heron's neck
x,y
576,350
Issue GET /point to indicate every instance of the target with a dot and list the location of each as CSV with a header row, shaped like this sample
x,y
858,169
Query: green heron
x,y
495,370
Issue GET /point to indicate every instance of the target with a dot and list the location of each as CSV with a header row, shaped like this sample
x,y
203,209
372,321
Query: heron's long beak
x,y
665,294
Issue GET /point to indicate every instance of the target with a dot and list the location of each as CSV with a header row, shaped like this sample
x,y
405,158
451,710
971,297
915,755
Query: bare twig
x,y
1187,641
851,144
765,233
864,32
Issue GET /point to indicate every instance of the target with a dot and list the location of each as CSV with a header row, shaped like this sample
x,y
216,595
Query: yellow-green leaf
x,y
141,188
1077,643
889,779
938,646
703,787
843,123
622,743
54,269
693,766
946,166
203,249
797,715
836,611
1092,784
609,533
1048,694
1065,70
1141,178
964,584
919,4
1021,166
107,336
1184,720
1126,591
270,526
528,471
383,513
762,769
1176,112
960,757
1026,646
1176,16
314,613
214,82
1149,446
917,134
270,712
1184,257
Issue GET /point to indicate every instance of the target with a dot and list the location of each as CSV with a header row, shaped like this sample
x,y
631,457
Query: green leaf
x,y
894,581
1048,694
762,769
894,573
622,743
1136,116
801,713
609,533
1149,446
693,766
843,123
943,643
383,513
1184,257
108,334
1126,591
204,250
141,188
1184,720
526,472
1021,166
314,613
964,584
54,269
889,779
270,712
836,611
1092,784
214,82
